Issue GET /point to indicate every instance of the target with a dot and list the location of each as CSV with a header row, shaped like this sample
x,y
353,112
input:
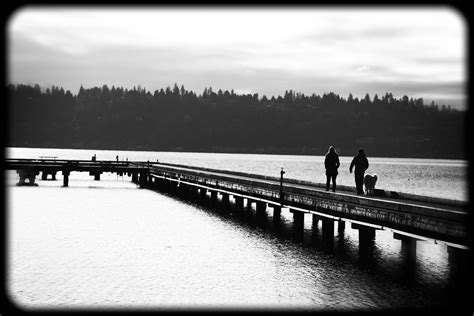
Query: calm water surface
x,y
429,177
101,244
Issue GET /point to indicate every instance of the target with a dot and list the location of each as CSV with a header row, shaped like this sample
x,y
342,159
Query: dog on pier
x,y
369,183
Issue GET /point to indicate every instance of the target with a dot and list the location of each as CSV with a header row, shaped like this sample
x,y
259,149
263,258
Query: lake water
x,y
429,177
108,244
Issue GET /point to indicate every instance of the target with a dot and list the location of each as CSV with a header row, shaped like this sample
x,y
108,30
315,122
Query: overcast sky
x,y
419,52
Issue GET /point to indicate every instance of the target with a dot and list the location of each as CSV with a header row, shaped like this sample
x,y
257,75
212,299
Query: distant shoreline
x,y
236,151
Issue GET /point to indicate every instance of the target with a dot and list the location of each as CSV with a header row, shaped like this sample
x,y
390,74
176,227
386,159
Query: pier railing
x,y
429,218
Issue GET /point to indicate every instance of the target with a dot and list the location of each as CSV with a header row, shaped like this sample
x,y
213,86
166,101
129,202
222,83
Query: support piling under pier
x,y
298,225
261,212
225,207
408,248
341,226
328,233
239,204
366,242
213,198
65,178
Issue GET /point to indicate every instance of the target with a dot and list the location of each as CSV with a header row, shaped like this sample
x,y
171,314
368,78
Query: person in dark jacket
x,y
361,164
331,162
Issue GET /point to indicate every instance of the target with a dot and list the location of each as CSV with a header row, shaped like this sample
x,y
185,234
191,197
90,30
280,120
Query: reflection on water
x,y
114,245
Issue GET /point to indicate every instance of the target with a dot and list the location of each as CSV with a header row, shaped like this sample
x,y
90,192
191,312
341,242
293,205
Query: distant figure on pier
x,y
93,158
116,158
361,164
331,162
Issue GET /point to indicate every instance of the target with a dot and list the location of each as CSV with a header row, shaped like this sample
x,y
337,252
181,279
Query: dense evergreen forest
x,y
175,119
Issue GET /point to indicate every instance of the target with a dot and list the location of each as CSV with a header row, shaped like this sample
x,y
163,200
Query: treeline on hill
x,y
175,119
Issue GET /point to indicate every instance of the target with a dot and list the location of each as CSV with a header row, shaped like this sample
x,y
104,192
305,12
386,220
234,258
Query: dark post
x,y
276,212
143,179
315,222
366,242
298,225
175,188
315,240
66,171
460,267
239,202
281,185
225,203
276,217
328,233
203,194
159,184
162,184
261,212
408,252
213,198
193,193
65,178
341,225
249,203
239,205
185,190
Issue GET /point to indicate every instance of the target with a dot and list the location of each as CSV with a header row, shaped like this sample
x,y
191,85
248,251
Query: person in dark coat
x,y
361,164
331,162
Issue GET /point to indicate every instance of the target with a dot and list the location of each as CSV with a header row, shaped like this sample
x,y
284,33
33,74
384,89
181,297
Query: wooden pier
x,y
409,217
30,168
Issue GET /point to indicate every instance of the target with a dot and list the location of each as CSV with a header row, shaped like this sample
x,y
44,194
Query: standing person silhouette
x,y
331,162
361,164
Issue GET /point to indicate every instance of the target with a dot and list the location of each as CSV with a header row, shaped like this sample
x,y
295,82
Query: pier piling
x,y
298,225
341,226
261,212
213,198
366,242
225,207
239,205
202,196
65,178
408,248
328,233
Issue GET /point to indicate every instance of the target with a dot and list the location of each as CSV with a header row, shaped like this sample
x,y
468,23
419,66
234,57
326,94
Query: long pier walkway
x,y
410,217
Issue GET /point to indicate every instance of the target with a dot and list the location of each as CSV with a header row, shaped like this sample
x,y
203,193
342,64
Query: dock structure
x,y
409,217
30,168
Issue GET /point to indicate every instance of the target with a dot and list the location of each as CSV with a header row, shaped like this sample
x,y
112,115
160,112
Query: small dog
x,y
369,183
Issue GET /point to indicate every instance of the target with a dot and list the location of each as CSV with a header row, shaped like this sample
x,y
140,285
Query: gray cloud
x,y
158,67
339,34
427,60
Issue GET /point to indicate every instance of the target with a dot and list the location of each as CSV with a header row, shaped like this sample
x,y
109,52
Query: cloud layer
x,y
417,52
